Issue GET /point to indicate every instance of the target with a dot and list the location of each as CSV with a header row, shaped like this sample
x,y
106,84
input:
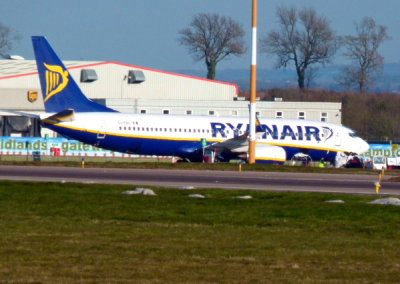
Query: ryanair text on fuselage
x,y
276,132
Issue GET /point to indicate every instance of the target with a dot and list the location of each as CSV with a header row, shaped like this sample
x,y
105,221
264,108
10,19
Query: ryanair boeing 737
x,y
70,113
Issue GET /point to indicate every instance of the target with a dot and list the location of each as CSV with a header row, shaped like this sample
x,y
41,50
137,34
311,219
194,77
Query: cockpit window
x,y
353,134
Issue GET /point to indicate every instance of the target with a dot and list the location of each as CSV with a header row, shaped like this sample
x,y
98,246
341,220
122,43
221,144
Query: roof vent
x,y
88,75
15,57
135,77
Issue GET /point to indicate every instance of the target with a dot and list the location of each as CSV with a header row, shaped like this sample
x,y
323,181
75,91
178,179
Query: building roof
x,y
11,68
16,68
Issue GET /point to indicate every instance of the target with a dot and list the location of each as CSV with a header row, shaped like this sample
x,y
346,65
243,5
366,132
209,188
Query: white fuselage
x,y
160,134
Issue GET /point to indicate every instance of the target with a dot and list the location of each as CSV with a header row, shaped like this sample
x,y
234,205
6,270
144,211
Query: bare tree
x,y
304,38
310,76
213,37
362,50
7,36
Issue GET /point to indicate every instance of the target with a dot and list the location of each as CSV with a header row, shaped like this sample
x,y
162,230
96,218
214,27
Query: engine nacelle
x,y
341,159
268,154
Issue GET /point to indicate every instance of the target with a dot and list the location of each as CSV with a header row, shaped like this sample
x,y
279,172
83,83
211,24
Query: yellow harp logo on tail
x,y
56,80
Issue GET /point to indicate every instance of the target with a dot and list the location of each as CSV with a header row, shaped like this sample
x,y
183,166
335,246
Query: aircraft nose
x,y
364,147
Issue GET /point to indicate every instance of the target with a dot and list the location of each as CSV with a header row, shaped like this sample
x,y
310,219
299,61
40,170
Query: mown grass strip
x,y
66,233
163,164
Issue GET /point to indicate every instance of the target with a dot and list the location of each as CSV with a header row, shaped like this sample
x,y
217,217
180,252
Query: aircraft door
x,y
101,133
338,139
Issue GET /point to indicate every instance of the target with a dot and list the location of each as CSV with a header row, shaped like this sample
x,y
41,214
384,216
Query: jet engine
x,y
268,154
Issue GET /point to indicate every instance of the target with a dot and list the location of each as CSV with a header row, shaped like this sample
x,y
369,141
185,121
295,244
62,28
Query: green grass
x,y
166,164
73,233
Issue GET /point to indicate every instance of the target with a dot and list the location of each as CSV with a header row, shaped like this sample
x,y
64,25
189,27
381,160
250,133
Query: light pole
x,y
253,86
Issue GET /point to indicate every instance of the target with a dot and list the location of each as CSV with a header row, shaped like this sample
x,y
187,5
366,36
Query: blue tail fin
x,y
59,89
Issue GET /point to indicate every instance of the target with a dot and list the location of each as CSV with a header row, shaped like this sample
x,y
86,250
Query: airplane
x,y
70,113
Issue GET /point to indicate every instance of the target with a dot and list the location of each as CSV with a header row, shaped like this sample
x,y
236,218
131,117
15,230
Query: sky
x,y
145,33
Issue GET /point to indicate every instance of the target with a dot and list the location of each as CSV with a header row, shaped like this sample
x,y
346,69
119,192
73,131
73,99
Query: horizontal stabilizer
x,y
20,113
66,115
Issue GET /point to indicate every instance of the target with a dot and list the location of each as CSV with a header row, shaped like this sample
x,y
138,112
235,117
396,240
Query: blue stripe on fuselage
x,y
139,145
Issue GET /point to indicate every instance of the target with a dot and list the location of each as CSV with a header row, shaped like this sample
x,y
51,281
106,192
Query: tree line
x,y
303,39
372,116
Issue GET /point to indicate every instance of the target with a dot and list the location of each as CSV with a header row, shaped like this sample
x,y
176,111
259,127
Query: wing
x,y
265,153
236,144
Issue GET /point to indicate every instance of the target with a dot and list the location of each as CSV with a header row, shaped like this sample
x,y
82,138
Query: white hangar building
x,y
133,89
